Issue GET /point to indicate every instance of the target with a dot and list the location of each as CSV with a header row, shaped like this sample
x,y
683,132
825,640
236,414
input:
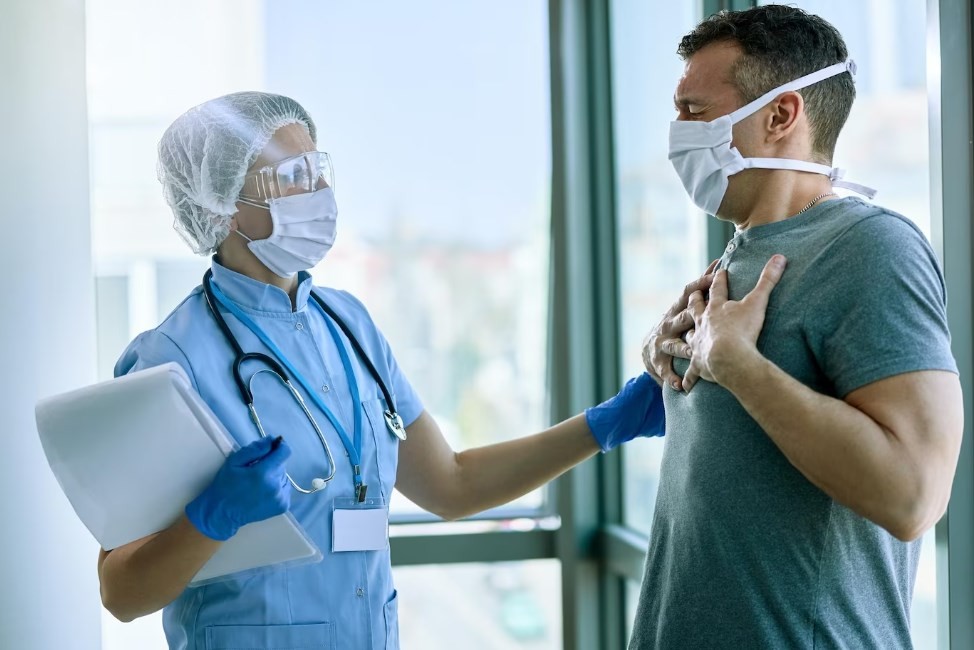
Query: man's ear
x,y
785,113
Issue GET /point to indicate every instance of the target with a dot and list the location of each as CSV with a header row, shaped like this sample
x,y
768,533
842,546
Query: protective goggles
x,y
306,172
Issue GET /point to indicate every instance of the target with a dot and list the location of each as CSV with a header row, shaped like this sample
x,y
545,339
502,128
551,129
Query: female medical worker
x,y
244,180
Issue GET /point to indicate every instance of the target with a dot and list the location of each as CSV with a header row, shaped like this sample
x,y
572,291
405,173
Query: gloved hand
x,y
251,486
637,410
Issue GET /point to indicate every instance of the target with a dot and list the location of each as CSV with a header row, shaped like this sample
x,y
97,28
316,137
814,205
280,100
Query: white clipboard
x,y
130,453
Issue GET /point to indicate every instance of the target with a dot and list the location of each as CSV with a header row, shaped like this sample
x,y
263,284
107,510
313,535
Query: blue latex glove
x,y
636,411
251,486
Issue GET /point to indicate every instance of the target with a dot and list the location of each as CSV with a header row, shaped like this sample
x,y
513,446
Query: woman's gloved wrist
x,y
251,486
636,411
205,517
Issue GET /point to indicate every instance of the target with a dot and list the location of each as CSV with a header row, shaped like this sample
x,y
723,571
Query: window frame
x,y
950,81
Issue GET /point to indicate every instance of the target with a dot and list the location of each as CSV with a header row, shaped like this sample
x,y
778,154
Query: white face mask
x,y
702,155
304,227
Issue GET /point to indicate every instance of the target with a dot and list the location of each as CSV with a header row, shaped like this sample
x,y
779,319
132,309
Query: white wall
x,y
48,583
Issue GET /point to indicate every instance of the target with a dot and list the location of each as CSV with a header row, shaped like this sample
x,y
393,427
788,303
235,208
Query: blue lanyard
x,y
354,449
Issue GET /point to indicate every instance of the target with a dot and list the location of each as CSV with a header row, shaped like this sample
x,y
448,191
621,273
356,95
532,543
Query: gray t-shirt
x,y
745,552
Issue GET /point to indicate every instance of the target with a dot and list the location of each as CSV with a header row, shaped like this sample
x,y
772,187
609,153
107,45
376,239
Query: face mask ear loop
x,y
262,206
802,82
256,205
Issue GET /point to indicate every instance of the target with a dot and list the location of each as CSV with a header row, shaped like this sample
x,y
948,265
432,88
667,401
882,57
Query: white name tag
x,y
359,529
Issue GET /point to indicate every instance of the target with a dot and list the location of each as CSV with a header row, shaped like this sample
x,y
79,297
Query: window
x,y
891,97
437,118
481,606
662,237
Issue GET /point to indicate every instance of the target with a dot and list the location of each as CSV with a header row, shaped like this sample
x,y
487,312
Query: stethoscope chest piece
x,y
394,422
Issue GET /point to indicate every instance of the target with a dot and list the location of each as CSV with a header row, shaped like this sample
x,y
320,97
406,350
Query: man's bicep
x,y
881,309
923,411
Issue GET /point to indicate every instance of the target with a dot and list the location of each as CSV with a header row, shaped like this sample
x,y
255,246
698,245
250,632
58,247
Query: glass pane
x,y
480,606
888,42
662,238
442,167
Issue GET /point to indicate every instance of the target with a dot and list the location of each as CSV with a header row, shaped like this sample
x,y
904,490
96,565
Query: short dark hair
x,y
781,44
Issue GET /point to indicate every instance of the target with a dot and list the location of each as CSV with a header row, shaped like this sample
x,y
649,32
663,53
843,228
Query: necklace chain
x,y
814,201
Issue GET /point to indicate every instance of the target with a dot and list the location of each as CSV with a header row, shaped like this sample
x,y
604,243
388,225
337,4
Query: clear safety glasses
x,y
306,172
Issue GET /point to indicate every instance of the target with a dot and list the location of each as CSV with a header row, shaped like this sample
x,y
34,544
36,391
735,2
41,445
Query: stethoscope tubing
x,y
318,483
241,356
393,421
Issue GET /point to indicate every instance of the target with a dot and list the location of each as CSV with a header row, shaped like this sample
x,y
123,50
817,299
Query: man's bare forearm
x,y
840,449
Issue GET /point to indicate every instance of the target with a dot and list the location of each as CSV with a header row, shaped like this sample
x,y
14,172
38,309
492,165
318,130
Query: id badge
x,y
359,526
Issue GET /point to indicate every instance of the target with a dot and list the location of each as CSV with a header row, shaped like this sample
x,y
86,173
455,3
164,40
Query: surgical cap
x,y
205,153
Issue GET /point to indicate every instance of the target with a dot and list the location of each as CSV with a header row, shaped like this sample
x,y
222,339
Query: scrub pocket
x,y
391,612
317,636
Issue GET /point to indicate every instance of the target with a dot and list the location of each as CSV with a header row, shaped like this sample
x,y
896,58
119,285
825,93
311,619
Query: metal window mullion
x,y
502,513
563,328
583,362
625,551
507,546
607,301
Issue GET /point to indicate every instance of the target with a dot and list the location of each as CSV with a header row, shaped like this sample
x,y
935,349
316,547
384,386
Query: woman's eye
x,y
299,177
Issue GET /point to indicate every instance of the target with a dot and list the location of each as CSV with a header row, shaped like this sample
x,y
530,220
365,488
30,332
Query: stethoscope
x,y
391,415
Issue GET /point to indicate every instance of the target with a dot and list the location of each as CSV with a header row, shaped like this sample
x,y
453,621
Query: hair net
x,y
205,153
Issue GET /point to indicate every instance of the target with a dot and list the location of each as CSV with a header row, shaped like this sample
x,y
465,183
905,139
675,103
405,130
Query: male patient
x,y
800,473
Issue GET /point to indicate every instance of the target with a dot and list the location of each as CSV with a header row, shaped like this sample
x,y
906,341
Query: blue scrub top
x,y
347,600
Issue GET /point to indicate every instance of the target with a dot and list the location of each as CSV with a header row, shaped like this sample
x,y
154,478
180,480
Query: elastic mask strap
x,y
836,178
835,174
256,204
802,82
243,235
790,164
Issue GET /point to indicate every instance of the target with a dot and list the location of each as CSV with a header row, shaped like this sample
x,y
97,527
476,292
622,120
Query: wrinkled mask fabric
x,y
702,155
304,230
